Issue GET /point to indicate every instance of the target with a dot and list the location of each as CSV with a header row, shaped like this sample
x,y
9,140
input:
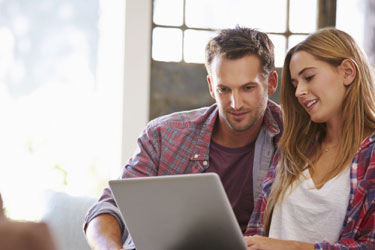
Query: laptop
x,y
178,212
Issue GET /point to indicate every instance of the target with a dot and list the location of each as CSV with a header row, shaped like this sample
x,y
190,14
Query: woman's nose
x,y
301,89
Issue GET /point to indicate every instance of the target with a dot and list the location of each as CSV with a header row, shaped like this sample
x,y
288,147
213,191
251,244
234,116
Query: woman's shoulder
x,y
364,159
368,144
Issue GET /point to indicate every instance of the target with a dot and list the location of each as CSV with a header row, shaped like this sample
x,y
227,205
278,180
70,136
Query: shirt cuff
x,y
103,207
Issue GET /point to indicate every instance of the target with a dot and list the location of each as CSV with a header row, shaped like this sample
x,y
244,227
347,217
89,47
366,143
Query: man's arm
x,y
103,232
99,228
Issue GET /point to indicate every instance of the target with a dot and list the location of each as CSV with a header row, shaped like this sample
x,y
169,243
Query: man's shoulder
x,y
194,117
275,109
273,119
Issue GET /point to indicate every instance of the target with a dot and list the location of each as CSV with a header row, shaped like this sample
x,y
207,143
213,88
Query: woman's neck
x,y
333,134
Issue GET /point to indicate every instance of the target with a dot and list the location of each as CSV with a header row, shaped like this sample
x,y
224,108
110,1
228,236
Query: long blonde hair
x,y
301,138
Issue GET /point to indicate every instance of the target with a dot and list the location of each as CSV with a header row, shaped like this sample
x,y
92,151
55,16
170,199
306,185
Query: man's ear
x,y
349,70
272,82
209,81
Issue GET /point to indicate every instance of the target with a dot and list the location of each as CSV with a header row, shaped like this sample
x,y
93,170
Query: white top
x,y
312,215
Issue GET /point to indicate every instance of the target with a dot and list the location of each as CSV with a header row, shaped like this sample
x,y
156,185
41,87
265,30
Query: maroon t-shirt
x,y
235,168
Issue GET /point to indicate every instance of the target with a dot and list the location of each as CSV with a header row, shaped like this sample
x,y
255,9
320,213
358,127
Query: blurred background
x,y
80,79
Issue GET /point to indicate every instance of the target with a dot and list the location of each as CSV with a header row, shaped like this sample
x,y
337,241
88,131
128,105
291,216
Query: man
x,y
234,138
23,235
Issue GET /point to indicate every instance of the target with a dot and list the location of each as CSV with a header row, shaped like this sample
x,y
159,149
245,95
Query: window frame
x,y
326,16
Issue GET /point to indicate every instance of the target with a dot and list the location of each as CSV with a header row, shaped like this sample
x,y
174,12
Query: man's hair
x,y
239,42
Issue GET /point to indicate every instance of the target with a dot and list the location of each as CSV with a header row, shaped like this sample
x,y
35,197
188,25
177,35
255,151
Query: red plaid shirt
x,y
358,231
179,144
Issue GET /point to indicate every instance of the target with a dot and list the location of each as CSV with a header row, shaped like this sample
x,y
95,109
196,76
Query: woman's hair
x,y
301,138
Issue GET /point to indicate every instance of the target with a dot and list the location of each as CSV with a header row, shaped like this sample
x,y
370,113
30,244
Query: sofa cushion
x,y
64,214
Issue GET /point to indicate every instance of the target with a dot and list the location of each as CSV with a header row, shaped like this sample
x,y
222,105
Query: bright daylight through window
x,y
60,103
181,35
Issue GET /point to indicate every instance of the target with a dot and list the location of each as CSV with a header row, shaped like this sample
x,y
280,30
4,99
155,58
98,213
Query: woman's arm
x,y
264,243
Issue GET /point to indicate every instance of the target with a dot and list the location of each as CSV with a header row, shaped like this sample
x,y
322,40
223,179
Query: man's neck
x,y
235,139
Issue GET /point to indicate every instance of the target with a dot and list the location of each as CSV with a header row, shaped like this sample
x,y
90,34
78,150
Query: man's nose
x,y
236,100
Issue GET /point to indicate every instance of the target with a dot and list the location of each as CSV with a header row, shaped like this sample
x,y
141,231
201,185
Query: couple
x,y
318,168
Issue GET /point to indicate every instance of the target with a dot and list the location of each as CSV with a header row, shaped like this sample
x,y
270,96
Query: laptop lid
x,y
178,212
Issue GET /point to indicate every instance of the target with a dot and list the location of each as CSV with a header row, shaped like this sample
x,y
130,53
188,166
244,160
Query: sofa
x,y
64,215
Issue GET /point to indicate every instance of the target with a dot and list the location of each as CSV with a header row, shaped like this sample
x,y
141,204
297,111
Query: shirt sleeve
x,y
255,226
144,162
348,244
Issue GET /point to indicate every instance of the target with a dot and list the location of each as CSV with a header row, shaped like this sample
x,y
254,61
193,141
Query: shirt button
x,y
205,163
196,156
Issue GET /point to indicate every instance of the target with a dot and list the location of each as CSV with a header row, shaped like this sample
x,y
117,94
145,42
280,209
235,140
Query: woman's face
x,y
319,87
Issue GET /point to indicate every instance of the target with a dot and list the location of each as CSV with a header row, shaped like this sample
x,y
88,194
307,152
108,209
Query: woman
x,y
320,191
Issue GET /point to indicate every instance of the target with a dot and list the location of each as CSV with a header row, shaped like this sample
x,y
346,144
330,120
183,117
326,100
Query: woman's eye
x,y
309,78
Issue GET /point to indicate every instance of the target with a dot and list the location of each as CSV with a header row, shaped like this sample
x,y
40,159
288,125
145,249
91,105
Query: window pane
x,y
303,16
194,45
350,17
167,44
279,43
294,39
168,12
226,14
56,131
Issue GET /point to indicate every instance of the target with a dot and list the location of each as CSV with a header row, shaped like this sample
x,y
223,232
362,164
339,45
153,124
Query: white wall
x,y
137,72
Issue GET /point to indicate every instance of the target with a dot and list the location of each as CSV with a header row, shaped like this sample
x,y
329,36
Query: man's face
x,y
240,91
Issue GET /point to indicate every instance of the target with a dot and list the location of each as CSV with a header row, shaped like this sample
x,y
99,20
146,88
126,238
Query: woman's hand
x,y
264,243
257,242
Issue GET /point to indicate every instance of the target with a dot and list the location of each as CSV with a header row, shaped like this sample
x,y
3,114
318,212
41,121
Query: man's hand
x,y
23,235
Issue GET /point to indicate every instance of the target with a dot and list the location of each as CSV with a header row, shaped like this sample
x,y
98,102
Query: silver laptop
x,y
178,212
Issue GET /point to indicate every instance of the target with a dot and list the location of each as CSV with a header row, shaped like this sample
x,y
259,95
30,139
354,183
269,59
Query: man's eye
x,y
223,90
249,87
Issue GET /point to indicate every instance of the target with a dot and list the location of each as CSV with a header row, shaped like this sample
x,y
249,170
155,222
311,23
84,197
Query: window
x,y
61,75
183,27
350,17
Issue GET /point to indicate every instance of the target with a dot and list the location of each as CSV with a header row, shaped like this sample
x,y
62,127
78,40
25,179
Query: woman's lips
x,y
309,105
